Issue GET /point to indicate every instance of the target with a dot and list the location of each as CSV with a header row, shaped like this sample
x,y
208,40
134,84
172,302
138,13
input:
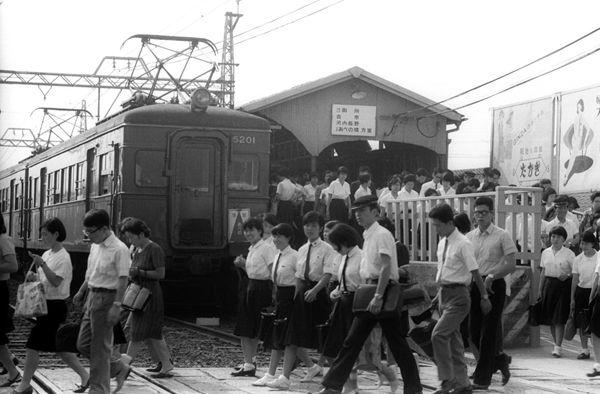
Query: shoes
x,y
242,372
505,371
155,369
311,373
122,376
447,387
556,352
28,390
593,374
583,356
12,381
325,390
4,371
476,386
281,383
264,380
162,375
82,388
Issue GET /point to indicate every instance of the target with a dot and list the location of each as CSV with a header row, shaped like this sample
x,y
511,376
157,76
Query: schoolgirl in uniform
x,y
257,295
311,305
555,286
269,221
334,281
338,202
583,277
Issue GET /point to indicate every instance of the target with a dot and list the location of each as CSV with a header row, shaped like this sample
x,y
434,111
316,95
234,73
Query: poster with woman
x,y
579,160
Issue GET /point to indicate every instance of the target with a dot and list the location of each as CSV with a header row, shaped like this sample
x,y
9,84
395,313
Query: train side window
x,y
149,169
36,200
56,187
16,196
64,186
49,189
243,173
79,185
3,200
106,169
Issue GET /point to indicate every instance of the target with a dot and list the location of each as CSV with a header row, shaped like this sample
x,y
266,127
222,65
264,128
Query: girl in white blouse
x,y
583,277
555,286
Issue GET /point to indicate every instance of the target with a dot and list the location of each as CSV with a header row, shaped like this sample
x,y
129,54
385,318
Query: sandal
x,y
12,381
82,388
162,375
583,356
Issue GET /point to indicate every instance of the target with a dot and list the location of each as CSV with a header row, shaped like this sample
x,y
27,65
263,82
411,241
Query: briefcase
x,y
392,297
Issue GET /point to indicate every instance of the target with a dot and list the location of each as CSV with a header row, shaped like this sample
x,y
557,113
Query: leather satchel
x,y
392,297
136,297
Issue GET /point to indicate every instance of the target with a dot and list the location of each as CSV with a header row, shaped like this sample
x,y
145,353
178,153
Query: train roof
x,y
178,115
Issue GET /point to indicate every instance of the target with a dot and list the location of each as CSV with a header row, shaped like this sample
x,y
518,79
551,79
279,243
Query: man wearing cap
x,y
495,255
591,218
561,206
378,266
457,268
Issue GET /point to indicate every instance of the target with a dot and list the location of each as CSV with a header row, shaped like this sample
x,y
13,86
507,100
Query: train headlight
x,y
200,100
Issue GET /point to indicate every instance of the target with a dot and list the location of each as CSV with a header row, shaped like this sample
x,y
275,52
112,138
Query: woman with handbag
x,y
555,285
581,288
8,265
54,271
283,276
147,268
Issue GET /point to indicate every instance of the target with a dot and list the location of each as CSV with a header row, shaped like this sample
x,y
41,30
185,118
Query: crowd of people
x,y
97,336
306,261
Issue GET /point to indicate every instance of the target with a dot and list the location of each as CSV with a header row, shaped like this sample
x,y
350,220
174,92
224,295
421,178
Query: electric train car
x,y
193,173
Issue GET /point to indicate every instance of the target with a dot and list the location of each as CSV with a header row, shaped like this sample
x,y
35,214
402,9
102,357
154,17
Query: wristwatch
x,y
378,296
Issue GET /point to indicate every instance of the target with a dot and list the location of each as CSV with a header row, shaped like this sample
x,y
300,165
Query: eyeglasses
x,y
481,213
89,232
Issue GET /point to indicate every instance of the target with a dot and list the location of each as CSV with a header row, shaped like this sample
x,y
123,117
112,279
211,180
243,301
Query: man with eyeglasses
x,y
495,254
105,282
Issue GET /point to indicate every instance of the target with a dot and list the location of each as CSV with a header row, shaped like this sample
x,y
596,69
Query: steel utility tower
x,y
227,98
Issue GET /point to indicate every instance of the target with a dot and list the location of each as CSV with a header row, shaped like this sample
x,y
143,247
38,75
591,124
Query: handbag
x,y
136,297
31,299
265,327
392,297
570,329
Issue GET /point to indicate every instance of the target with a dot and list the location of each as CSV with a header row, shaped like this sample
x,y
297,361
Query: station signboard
x,y
353,120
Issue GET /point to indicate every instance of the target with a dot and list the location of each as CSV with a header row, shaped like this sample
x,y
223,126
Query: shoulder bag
x,y
136,297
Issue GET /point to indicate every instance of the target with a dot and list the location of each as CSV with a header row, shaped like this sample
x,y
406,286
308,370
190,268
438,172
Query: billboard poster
x,y
353,120
522,142
579,163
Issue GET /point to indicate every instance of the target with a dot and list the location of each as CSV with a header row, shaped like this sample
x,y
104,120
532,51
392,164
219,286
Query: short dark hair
x,y
135,226
253,223
496,171
313,217
448,177
437,170
545,181
485,200
314,175
474,183
343,235
2,225
590,237
594,196
431,192
364,169
462,222
469,173
331,224
96,218
342,170
54,225
393,180
558,230
410,178
422,172
271,219
283,229
442,212
364,178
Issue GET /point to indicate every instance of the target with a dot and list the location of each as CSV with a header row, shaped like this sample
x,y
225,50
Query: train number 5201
x,y
243,139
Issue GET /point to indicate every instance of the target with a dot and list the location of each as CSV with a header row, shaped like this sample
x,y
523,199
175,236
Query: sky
x,y
435,48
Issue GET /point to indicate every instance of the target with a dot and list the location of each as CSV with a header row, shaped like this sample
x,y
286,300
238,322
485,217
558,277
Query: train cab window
x,y
106,170
79,181
149,169
243,173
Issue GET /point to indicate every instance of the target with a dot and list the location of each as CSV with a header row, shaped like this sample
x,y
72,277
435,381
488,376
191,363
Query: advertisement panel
x,y
579,163
522,142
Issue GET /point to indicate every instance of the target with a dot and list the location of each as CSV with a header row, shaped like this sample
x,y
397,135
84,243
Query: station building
x,y
356,118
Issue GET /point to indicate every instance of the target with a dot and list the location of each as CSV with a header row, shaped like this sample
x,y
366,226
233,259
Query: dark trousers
x,y
485,330
361,327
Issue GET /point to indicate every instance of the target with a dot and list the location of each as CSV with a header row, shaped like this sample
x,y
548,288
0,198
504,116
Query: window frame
x,y
162,175
244,157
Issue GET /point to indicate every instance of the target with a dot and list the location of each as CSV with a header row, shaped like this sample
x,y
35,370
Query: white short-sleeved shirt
x,y
107,262
378,241
569,225
309,192
260,257
7,247
459,262
321,260
286,190
429,185
337,190
557,263
286,268
389,198
352,274
337,260
361,192
585,266
60,264
404,194
490,246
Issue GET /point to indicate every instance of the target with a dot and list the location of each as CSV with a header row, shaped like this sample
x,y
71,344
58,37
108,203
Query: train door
x,y
197,166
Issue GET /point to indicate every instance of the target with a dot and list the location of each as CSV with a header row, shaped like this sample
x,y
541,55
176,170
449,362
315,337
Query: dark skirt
x,y
302,325
338,210
6,315
285,212
256,297
556,301
283,309
308,206
43,334
340,322
148,324
582,300
595,316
